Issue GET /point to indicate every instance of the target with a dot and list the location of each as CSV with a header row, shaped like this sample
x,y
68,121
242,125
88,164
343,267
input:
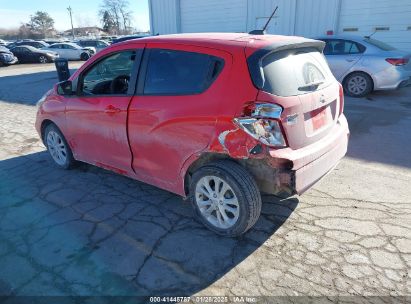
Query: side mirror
x,y
65,88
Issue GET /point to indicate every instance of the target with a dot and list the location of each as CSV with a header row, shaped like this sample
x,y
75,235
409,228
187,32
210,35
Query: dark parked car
x,y
97,44
35,44
26,53
7,57
129,37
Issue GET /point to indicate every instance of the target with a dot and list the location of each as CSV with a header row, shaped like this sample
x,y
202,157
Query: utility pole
x,y
71,19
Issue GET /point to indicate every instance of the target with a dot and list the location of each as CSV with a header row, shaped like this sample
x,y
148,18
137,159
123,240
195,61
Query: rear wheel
x,y
43,59
225,198
358,84
84,56
58,148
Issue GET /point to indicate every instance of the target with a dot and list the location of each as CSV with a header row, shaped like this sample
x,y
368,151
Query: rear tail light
x,y
397,61
341,93
264,125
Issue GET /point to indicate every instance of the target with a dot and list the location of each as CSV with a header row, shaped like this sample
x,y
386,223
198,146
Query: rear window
x,y
295,72
379,44
172,72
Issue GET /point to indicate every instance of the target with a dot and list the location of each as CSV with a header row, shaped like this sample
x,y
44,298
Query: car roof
x,y
31,48
222,39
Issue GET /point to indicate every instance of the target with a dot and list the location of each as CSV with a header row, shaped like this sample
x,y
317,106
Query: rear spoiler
x,y
254,61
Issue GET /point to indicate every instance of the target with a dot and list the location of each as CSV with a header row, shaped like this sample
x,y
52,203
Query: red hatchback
x,y
217,118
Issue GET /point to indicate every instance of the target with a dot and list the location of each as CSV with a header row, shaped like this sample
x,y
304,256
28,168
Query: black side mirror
x,y
65,88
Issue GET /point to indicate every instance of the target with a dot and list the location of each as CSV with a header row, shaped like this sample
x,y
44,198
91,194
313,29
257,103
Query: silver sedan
x,y
364,64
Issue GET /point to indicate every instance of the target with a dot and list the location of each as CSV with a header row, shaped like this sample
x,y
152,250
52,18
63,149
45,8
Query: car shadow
x,y
90,232
378,126
27,89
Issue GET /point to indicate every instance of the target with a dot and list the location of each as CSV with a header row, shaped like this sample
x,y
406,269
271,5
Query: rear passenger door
x,y
342,55
173,115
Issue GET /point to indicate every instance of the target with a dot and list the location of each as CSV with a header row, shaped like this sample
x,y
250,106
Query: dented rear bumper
x,y
311,163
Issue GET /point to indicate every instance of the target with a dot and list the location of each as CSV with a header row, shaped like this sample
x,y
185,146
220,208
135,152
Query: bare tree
x,y
41,23
119,13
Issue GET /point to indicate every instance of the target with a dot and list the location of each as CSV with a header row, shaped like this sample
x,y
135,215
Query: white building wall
x,y
366,15
164,16
316,17
259,11
213,16
307,18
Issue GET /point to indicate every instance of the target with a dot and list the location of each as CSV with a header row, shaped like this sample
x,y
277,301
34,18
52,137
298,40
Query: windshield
x,y
295,72
379,44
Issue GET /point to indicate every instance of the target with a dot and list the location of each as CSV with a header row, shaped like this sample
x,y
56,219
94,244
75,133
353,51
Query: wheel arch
x,y
44,124
198,162
359,71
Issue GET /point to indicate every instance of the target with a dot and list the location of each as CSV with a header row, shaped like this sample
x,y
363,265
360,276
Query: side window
x,y
342,47
109,76
171,72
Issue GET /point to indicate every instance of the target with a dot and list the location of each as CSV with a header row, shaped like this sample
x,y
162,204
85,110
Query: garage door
x,y
390,20
213,16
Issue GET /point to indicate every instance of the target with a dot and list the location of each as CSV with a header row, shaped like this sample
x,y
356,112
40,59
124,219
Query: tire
x,y
358,84
84,56
58,148
242,196
43,59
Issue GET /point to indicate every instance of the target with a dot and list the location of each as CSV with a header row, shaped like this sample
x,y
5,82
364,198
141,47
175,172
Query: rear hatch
x,y
297,77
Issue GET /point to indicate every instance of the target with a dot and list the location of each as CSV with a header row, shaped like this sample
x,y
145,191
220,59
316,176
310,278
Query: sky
x,y
85,12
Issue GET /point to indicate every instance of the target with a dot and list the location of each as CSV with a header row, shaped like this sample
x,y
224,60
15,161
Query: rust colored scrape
x,y
237,143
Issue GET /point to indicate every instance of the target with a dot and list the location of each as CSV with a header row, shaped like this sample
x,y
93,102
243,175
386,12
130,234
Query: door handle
x,y
111,109
349,60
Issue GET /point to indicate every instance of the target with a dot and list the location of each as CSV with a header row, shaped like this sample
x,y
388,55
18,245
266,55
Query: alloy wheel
x,y
57,148
43,59
357,85
217,202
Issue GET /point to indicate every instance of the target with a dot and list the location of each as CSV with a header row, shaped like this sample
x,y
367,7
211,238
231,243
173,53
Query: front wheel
x,y
58,148
43,59
358,84
225,198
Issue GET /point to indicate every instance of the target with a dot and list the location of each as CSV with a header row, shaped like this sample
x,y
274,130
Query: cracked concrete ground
x,y
91,232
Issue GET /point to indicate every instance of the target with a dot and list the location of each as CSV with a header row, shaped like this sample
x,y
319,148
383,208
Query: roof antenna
x,y
369,36
262,32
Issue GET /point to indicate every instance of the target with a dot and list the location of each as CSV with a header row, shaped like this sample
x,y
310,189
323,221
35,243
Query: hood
x,y
4,50
45,51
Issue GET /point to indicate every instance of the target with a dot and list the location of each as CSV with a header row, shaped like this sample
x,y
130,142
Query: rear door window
x,y
343,47
295,72
172,72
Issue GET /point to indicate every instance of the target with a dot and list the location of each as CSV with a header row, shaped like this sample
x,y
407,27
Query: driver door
x,y
96,116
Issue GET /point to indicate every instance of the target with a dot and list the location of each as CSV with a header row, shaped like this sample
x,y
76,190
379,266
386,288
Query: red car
x,y
217,118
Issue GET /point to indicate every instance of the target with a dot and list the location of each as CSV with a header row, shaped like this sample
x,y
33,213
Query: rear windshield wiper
x,y
310,86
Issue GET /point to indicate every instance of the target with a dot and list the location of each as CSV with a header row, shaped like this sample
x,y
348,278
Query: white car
x,y
71,51
364,64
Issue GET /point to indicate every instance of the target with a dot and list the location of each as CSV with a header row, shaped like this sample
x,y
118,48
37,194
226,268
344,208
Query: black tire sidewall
x,y
84,56
69,159
368,89
242,223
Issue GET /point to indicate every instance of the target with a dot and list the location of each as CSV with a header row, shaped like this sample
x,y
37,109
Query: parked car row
x,y
32,51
